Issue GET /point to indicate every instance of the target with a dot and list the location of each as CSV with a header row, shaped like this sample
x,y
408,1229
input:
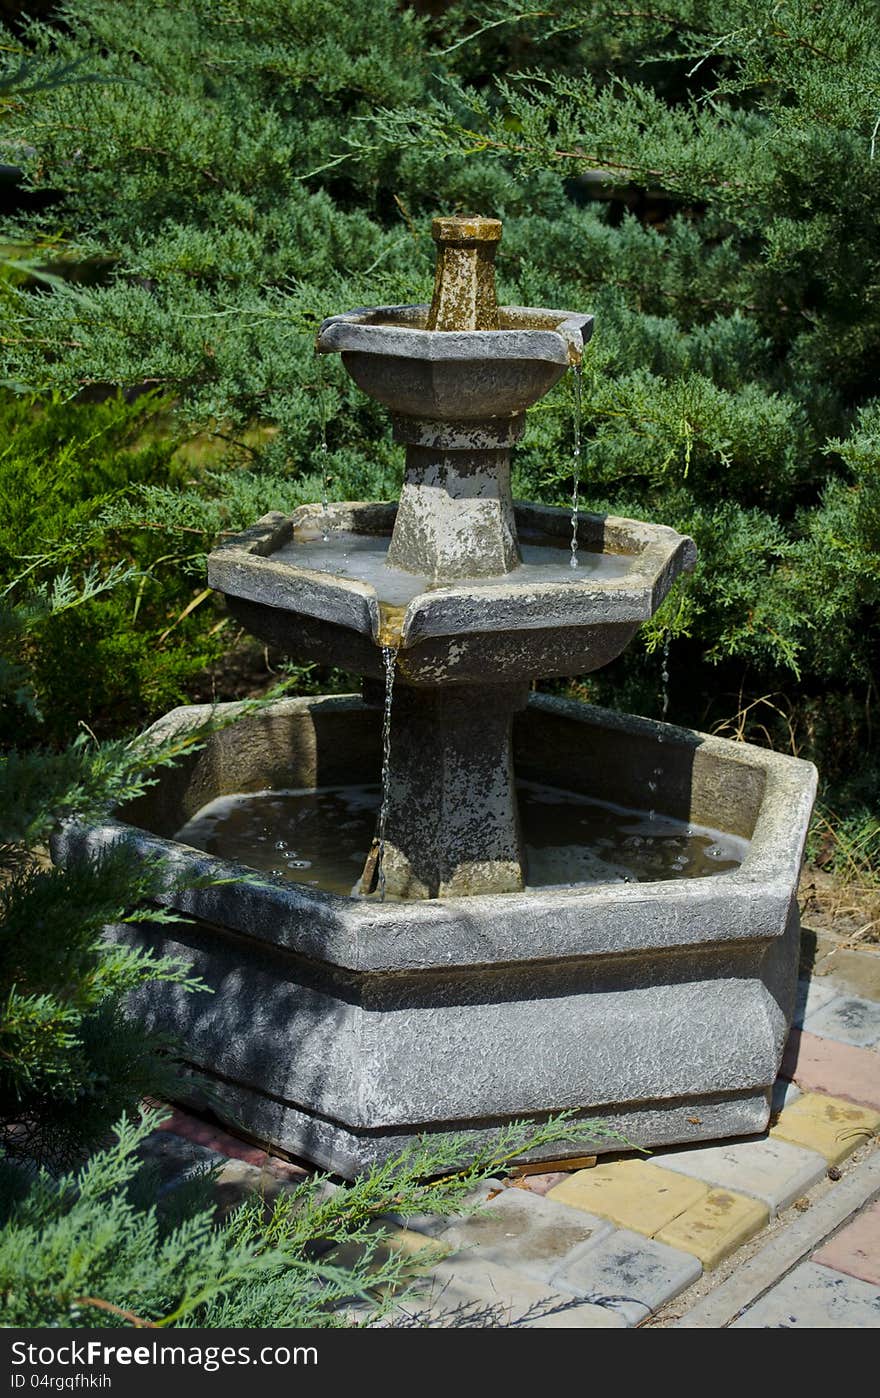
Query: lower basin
x,y
321,837
340,1028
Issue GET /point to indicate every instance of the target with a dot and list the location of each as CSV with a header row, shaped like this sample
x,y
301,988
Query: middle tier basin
x,y
315,584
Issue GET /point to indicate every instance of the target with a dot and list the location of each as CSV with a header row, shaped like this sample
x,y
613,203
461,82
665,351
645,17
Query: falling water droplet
x,y
389,660
324,458
576,462
664,679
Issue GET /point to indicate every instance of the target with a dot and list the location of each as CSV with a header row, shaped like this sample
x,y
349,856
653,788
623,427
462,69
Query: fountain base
x,y
340,1028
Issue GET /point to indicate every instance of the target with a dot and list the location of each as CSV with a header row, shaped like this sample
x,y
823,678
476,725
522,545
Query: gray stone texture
x,y
628,1274
771,1170
469,1293
848,1019
453,824
340,1028
813,1297
533,1235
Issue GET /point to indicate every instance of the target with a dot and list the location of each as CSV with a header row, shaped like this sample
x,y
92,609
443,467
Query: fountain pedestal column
x,y
455,517
452,823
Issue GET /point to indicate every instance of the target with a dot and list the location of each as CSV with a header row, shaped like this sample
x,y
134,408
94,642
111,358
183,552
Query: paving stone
x,y
540,1184
811,995
821,1065
828,1125
848,1019
783,1093
854,972
716,1226
813,1297
434,1224
533,1235
815,948
174,1159
629,1273
214,1138
770,1170
469,1292
856,1248
632,1193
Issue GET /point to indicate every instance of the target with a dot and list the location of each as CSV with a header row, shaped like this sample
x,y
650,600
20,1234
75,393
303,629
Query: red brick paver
x,y
856,1249
202,1133
822,1065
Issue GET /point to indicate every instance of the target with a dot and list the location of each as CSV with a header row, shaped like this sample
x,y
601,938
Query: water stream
x,y
664,679
324,458
389,661
576,461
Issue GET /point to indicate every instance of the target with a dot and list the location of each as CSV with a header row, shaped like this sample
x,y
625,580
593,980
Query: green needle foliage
x,y
93,1248
700,176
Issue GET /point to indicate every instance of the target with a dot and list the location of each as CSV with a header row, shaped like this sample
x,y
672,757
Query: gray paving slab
x,y
771,1170
534,1235
783,1094
724,1303
467,1293
630,1274
847,1018
813,1297
811,995
854,972
432,1225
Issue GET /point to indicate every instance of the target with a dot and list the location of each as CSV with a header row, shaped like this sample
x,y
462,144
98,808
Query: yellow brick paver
x,y
716,1226
828,1125
632,1193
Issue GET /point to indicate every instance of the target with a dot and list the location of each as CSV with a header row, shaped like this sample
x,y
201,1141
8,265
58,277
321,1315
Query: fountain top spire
x,y
464,281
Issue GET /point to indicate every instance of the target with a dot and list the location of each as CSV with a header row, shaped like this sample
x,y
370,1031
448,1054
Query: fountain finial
x,y
464,282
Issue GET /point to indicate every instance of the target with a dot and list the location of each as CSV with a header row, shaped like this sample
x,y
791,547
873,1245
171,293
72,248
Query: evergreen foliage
x,y
93,1248
238,172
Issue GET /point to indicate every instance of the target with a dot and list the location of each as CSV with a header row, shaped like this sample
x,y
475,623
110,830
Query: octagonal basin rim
x,y
531,333
244,567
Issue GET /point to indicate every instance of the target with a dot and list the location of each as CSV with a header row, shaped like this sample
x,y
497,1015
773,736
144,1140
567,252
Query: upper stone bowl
x,y
455,375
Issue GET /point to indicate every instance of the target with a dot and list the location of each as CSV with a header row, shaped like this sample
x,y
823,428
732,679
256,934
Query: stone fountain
x,y
453,986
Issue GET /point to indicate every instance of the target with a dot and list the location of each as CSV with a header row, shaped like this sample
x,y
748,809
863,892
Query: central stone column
x,y
452,822
455,517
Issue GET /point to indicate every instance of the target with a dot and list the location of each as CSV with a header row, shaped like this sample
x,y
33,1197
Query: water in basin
x,y
361,557
322,837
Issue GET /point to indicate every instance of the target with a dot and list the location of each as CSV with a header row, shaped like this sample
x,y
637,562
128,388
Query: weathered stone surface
x,y
773,1171
632,1193
822,1065
828,1125
715,1226
533,1235
815,1298
453,823
341,1028
848,1019
629,1274
856,1248
464,279
469,1292
461,632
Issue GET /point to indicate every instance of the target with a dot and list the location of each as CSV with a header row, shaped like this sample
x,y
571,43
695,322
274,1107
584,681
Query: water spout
x,y
576,461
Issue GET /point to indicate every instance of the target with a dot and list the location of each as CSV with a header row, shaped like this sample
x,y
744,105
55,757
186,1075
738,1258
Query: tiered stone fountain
x,y
484,964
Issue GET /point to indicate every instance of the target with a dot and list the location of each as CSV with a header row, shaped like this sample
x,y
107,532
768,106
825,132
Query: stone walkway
x,y
778,1232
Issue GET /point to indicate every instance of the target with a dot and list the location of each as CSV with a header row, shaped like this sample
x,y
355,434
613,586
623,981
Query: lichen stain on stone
x,y
464,281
